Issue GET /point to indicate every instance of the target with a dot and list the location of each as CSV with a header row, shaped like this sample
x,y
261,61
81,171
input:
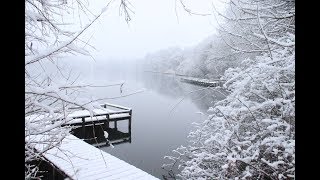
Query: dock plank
x,y
100,115
97,118
80,160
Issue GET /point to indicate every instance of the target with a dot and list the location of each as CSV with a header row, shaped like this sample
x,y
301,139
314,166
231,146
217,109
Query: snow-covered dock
x,y
106,114
201,82
80,160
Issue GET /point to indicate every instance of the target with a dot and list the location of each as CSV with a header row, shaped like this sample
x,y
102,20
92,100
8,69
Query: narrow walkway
x,y
82,161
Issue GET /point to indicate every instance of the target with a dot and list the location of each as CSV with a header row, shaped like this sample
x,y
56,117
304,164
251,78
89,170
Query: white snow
x,y
80,160
106,135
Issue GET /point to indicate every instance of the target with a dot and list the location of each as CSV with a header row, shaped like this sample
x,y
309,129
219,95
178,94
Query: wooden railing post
x,y
106,124
83,127
53,172
129,125
116,124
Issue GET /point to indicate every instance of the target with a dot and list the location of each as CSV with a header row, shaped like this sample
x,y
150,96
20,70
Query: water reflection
x,y
169,85
156,130
94,134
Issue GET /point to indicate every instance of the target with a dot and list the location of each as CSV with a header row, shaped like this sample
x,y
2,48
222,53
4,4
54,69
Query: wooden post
x,y
53,172
83,128
116,124
129,125
106,124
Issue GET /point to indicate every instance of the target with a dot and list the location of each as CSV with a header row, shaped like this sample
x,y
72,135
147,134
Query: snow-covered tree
x,y
165,60
258,26
208,59
251,133
49,90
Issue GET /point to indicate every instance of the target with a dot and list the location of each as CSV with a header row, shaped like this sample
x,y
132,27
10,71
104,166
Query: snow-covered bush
x,y
251,133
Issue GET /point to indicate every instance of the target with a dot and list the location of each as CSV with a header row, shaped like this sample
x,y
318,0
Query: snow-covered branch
x,y
47,98
250,134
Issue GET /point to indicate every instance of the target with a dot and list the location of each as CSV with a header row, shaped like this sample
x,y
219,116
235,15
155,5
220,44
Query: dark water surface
x,y
160,123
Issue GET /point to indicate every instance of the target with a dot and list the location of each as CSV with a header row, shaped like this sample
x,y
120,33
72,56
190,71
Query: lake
x,y
162,112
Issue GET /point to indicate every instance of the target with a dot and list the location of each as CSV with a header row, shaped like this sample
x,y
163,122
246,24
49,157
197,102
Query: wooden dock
x,y
82,161
201,82
85,125
108,112
78,158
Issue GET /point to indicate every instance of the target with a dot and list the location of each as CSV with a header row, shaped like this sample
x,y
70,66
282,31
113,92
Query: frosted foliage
x,y
50,90
251,133
208,59
164,60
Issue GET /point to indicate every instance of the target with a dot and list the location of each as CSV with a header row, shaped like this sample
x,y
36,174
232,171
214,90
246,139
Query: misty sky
x,y
154,26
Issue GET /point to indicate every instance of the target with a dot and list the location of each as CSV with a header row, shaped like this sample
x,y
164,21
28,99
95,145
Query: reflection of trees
x,y
207,97
171,86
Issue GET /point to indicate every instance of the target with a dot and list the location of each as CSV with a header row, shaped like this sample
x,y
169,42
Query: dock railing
x,y
106,115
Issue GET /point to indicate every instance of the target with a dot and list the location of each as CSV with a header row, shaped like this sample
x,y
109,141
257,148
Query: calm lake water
x,y
160,123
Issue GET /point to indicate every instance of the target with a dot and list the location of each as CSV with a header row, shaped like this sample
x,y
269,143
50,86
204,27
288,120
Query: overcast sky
x,y
154,26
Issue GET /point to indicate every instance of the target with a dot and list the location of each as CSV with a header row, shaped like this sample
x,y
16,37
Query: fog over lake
x,y
163,110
